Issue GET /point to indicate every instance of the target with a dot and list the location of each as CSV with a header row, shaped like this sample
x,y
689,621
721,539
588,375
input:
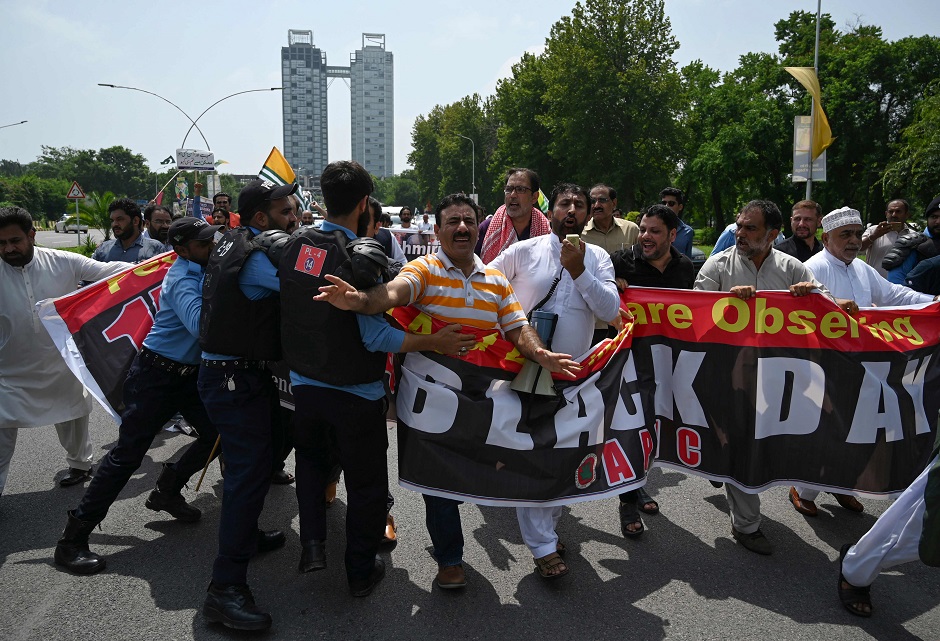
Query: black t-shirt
x,y
798,249
630,265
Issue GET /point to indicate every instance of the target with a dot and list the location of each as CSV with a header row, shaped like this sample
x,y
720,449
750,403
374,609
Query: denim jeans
x,y
443,520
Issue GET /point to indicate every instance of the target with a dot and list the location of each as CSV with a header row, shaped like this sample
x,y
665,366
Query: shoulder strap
x,y
551,290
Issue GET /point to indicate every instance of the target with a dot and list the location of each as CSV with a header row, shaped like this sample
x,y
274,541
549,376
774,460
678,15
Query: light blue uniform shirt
x,y
377,336
175,331
898,275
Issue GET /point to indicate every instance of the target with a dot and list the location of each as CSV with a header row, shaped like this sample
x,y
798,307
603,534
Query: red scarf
x,y
501,233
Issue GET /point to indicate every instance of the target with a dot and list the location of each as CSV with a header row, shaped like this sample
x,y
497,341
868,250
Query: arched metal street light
x,y
238,93
177,107
13,124
473,162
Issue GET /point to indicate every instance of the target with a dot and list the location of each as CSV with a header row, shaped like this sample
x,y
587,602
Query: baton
x,y
218,439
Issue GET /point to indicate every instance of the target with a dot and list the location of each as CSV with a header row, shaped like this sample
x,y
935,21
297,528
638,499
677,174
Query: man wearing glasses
x,y
517,219
674,199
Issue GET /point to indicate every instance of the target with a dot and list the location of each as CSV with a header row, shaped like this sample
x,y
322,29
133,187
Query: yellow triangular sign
x,y
75,192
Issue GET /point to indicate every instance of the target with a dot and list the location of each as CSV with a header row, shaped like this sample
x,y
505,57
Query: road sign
x,y
75,192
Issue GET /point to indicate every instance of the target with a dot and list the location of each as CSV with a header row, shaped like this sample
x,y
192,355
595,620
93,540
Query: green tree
x,y
115,169
916,165
398,190
94,212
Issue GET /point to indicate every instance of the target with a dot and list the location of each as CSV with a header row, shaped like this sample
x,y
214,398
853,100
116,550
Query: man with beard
x,y
224,201
517,219
36,387
157,220
911,248
128,244
160,382
239,332
804,221
454,286
848,278
878,239
753,265
653,262
306,218
579,279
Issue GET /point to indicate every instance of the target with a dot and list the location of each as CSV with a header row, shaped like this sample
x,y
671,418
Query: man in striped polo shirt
x,y
454,286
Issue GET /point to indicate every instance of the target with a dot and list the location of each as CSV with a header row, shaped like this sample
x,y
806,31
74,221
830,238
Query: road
x,y
684,579
56,241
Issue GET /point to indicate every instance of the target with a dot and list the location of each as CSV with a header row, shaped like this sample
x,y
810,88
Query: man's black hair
x,y
773,219
127,205
16,216
148,212
664,213
674,192
222,193
453,199
344,184
611,192
567,188
530,175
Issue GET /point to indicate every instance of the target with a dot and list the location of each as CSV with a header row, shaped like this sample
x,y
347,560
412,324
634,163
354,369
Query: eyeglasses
x,y
669,203
601,199
516,189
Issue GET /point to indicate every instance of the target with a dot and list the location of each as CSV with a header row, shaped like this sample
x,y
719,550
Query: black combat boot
x,y
72,549
166,496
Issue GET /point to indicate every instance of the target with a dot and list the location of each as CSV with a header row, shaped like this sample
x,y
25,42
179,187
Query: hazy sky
x,y
55,53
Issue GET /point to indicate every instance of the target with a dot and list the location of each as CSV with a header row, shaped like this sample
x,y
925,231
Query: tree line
x,y
606,102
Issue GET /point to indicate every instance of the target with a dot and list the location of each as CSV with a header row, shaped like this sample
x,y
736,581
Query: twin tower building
x,y
306,77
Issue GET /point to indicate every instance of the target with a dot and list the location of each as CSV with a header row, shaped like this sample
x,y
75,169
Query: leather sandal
x,y
630,515
853,596
645,502
802,506
547,564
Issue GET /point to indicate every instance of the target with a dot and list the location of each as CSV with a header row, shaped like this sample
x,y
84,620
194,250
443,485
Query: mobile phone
x,y
896,226
574,239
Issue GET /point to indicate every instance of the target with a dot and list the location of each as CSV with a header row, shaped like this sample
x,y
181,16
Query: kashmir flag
x,y
278,170
822,134
542,203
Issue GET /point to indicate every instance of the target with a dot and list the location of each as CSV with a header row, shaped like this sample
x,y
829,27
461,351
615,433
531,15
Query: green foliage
x,y
115,169
94,212
43,198
398,191
915,169
633,216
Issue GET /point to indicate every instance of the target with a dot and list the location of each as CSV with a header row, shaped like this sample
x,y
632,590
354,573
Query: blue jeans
x,y
151,397
443,520
243,416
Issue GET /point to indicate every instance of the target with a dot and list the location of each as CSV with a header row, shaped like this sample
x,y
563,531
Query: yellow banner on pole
x,y
822,134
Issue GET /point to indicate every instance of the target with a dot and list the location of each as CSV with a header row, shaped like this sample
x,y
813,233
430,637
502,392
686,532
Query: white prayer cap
x,y
840,218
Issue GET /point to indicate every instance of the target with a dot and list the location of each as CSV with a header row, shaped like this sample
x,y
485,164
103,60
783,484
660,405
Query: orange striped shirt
x,y
484,299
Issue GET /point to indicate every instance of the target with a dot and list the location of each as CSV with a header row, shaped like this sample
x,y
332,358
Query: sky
x,y
56,52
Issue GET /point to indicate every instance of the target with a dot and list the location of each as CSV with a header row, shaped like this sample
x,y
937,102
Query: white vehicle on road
x,y
68,223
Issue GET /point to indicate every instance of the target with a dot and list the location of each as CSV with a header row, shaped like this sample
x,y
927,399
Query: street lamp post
x,y
473,163
174,105
13,124
238,93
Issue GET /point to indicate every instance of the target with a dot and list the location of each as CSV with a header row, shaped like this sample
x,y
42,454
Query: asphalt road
x,y
55,240
685,578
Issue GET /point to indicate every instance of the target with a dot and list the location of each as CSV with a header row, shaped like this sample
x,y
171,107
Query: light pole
x,y
13,124
473,163
237,93
174,105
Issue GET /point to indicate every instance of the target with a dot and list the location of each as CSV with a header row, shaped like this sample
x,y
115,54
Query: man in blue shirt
x,y
240,335
340,407
674,199
128,245
926,246
161,381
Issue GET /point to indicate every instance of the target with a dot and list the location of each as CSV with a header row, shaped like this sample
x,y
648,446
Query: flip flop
x,y
853,595
644,499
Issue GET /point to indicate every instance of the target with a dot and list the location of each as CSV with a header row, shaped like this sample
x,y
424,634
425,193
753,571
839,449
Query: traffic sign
x,y
75,192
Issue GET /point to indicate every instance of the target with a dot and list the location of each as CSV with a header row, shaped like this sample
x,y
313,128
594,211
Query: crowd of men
x,y
334,283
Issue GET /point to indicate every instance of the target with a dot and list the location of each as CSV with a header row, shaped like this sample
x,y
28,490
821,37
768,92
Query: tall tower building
x,y
373,105
304,78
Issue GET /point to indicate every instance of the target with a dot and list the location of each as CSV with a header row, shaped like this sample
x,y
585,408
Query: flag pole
x,y
812,113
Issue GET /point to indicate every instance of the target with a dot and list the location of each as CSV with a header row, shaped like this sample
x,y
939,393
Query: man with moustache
x,y
36,387
848,278
157,221
580,278
160,382
912,248
653,262
239,332
752,265
128,244
224,201
515,220
804,221
454,286
878,239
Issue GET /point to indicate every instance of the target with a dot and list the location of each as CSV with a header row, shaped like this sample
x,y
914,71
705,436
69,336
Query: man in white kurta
x,y
845,277
585,288
36,386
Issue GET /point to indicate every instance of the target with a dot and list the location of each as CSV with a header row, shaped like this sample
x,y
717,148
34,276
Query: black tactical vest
x,y
320,341
230,322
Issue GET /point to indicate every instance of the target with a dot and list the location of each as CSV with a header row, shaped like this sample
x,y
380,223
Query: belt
x,y
148,357
239,363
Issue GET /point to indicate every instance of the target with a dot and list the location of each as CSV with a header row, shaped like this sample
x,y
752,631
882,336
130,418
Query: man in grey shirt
x,y
128,244
752,265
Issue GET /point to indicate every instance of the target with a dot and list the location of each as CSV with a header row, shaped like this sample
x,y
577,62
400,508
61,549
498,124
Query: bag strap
x,y
551,291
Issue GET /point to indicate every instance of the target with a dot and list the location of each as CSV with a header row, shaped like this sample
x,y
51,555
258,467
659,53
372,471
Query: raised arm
x,y
371,301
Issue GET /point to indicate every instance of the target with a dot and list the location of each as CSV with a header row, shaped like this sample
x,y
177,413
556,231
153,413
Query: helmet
x,y
272,242
367,265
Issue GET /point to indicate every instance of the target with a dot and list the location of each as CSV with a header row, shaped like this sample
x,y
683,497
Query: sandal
x,y
853,596
646,502
561,549
547,564
849,502
629,515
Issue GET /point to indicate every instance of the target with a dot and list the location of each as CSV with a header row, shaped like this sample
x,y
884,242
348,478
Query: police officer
x,y
239,335
337,375
161,381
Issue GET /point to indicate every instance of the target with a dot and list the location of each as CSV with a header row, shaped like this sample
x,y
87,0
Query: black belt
x,y
240,363
149,357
